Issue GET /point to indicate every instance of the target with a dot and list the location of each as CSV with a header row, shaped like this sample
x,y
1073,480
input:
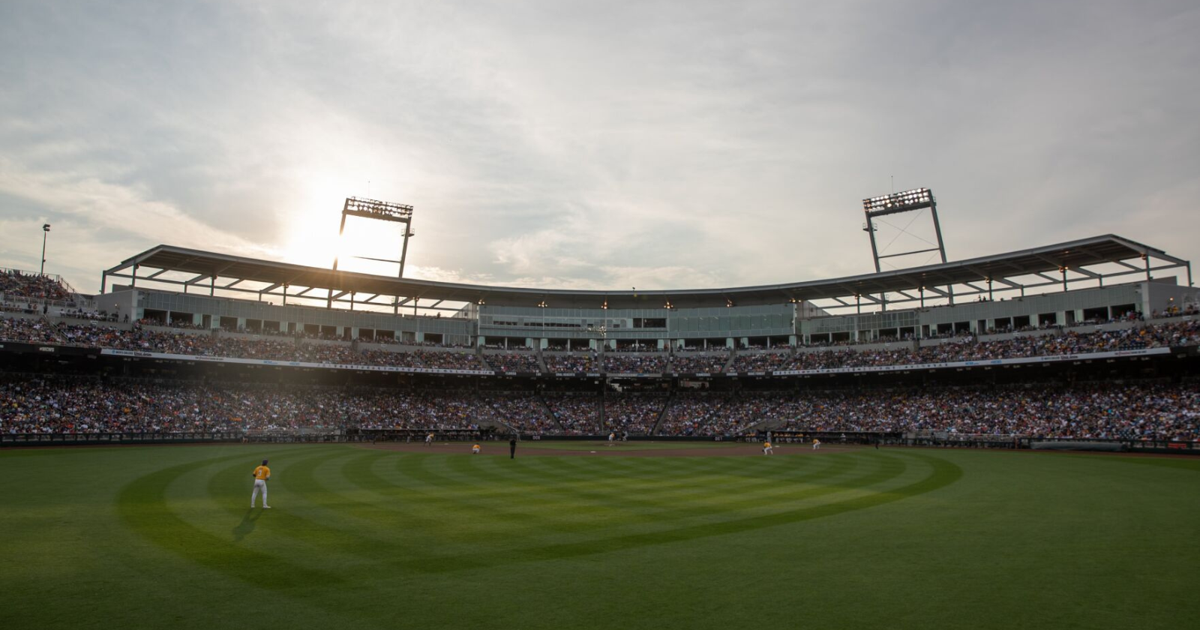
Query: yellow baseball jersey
x,y
262,472
766,445
476,447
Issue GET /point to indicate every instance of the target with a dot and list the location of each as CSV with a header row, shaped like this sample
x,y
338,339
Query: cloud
x,y
666,144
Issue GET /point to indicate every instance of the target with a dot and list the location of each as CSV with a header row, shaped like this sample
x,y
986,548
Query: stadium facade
x,y
1097,279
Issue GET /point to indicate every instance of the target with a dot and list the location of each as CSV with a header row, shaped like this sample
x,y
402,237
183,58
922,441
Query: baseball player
x,y
768,449
816,444
428,439
261,475
475,449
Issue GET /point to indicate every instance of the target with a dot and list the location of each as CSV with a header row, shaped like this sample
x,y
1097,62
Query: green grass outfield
x,y
161,537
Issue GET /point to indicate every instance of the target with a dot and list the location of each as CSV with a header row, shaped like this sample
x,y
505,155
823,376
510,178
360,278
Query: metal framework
x,y
382,211
1098,260
897,203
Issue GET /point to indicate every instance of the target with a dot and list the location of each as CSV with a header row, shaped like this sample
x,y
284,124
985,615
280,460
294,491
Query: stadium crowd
x,y
970,348
16,285
635,362
1139,411
78,405
688,363
207,344
292,348
570,362
427,359
525,412
690,415
577,414
1103,411
633,413
513,362
761,361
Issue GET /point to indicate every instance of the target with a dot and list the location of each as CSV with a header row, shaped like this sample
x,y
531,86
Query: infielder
x,y
768,449
261,475
475,449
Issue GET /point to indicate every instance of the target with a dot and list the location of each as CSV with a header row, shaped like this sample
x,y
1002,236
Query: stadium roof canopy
x,y
1099,258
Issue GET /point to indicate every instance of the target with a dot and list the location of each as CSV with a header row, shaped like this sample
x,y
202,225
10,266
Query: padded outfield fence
x,y
830,438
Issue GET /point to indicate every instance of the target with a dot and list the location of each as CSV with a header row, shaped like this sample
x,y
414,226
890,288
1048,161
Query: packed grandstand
x,y
656,391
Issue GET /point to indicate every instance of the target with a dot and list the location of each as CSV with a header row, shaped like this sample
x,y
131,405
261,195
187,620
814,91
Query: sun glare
x,y
313,237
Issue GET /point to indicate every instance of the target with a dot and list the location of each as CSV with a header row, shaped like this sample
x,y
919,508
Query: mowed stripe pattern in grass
x,y
361,538
438,513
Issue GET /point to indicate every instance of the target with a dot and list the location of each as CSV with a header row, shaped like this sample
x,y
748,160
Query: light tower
x,y
45,233
382,211
898,203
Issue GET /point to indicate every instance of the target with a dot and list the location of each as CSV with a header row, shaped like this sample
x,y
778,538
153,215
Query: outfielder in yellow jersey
x,y
261,475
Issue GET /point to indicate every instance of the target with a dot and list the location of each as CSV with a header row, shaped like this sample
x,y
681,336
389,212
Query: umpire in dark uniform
x,y
512,448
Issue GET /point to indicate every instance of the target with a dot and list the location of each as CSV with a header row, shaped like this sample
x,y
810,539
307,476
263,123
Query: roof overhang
x,y
1045,264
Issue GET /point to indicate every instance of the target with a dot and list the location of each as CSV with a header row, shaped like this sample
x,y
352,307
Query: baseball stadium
x,y
1006,440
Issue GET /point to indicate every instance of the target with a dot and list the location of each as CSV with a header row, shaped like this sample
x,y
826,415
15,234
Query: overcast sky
x,y
599,144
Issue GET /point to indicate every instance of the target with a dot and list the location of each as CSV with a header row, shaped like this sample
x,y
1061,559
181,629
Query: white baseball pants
x,y
259,484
